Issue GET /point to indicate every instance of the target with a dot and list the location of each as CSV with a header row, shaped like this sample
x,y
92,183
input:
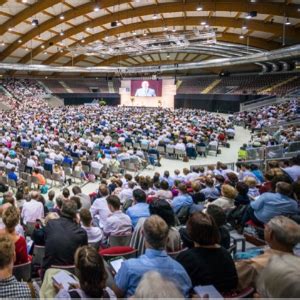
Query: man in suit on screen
x,y
145,91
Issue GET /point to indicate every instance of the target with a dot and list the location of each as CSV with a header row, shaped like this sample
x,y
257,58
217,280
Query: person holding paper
x,y
92,276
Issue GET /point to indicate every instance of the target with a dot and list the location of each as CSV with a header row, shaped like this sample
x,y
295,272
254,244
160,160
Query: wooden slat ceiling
x,y
23,43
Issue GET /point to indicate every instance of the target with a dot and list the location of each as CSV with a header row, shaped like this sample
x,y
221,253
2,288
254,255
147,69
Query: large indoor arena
x,y
149,149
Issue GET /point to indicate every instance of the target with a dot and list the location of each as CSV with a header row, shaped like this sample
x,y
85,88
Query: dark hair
x,y
242,188
217,213
85,217
202,229
164,185
144,185
69,209
90,271
128,177
76,199
163,209
279,178
76,190
66,193
220,178
284,188
114,201
139,195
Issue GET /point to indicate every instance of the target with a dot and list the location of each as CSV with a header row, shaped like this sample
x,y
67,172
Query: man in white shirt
x,y
126,192
99,209
33,209
117,223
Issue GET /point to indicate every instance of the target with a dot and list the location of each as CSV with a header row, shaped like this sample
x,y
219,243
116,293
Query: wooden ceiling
x,y
20,42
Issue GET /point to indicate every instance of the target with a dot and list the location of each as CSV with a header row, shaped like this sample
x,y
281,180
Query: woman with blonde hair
x,y
11,218
228,194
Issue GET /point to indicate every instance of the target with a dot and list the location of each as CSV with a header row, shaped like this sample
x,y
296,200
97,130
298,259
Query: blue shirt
x,y
132,270
210,193
181,201
139,210
12,176
269,205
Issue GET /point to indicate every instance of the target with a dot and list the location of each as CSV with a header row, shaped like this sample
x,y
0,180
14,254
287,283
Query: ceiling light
x,y
203,23
174,29
61,33
244,27
119,37
134,32
298,9
241,37
96,8
62,17
45,52
166,28
199,8
168,55
154,17
145,33
24,1
206,26
9,29
287,22
2,44
27,49
88,28
42,46
35,22
61,51
19,41
82,41
46,77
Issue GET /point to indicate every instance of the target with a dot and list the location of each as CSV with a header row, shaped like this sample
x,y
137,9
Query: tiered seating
x,y
194,85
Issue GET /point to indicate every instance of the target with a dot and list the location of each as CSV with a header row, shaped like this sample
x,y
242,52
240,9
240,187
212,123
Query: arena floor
x,y
227,155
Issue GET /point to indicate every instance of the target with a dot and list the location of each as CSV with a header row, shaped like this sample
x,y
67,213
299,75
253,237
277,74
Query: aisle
x,y
227,155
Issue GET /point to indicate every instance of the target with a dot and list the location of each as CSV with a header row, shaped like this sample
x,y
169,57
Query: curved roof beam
x,y
266,8
181,21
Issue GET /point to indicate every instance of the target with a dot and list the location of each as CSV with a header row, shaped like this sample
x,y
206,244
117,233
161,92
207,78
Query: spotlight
x,y
145,33
199,8
203,23
287,22
82,41
9,29
19,41
27,49
62,17
96,8
154,17
61,33
134,32
244,27
241,37
43,46
2,44
174,29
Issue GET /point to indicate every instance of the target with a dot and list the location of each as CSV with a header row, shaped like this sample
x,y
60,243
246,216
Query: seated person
x,y
242,197
164,192
155,259
253,191
182,200
139,209
94,234
10,287
41,179
117,222
280,278
11,218
90,269
282,235
228,194
197,196
210,192
269,205
208,263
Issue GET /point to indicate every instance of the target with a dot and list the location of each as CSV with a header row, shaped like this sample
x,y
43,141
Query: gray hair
x,y
154,286
285,230
280,278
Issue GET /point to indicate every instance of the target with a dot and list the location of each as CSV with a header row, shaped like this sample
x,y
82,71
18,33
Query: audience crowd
x,y
173,229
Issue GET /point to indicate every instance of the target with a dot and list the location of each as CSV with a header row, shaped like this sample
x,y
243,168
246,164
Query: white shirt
x,y
100,210
94,234
125,194
118,223
31,211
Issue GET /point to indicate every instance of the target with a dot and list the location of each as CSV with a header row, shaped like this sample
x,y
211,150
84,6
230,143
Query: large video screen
x,y
146,88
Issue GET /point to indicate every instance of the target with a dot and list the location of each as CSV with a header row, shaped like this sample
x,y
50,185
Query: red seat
x,y
125,251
